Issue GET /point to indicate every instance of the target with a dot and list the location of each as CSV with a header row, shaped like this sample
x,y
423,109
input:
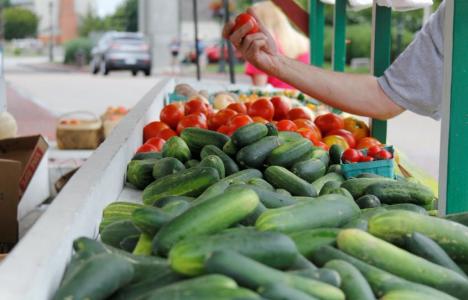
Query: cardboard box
x,y
23,167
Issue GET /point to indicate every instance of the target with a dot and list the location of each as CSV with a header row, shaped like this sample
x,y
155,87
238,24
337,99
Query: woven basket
x,y
87,134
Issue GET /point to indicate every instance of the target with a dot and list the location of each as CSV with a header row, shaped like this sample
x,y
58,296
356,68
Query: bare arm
x,y
357,94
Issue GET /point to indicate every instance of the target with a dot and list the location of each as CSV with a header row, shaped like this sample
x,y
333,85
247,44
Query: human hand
x,y
258,48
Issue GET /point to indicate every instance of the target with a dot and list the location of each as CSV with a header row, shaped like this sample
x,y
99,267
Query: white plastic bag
x,y
330,2
405,5
359,4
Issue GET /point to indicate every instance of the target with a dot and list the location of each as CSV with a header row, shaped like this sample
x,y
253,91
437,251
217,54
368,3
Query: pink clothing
x,y
251,70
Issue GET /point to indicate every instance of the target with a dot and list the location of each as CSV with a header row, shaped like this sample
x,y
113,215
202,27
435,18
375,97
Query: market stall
x,y
271,211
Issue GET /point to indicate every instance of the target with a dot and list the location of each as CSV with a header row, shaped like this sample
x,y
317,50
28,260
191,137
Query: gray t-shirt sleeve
x,y
414,81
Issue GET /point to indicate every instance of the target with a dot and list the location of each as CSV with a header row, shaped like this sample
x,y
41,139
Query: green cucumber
x,y
96,278
279,291
408,295
362,221
368,201
150,219
177,148
252,218
380,281
426,248
143,246
249,134
117,211
140,172
216,189
198,138
170,199
301,263
230,165
271,199
244,175
210,216
282,178
335,152
319,183
353,284
400,262
324,275
230,149
253,274
286,193
140,288
394,225
357,186
308,241
289,136
273,249
261,183
191,163
409,207
147,155
321,154
461,218
213,161
272,130
167,166
309,170
324,211
335,169
204,293
190,182
255,154
116,232
288,154
338,191
329,186
401,192
129,243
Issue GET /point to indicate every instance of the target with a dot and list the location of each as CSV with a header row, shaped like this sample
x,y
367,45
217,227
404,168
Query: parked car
x,y
121,51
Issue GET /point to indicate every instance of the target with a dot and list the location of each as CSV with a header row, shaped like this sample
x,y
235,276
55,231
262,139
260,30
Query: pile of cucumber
x,y
266,215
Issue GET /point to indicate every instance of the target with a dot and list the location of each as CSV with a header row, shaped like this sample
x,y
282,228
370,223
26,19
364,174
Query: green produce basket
x,y
379,167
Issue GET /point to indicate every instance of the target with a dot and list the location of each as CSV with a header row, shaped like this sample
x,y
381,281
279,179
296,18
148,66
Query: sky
x,y
106,7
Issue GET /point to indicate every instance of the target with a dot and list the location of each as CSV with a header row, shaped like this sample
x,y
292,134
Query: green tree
x,y
19,23
5,3
125,17
90,22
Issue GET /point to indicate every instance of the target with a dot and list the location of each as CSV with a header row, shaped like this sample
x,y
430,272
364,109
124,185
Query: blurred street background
x,y
52,48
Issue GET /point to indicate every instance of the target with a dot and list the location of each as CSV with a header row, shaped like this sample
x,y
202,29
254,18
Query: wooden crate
x,y
34,268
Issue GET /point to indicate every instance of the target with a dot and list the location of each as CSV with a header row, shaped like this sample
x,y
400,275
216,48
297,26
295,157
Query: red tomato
x,y
286,125
282,106
383,155
372,151
305,123
329,122
239,121
243,19
348,136
259,120
191,121
156,142
351,156
224,129
262,108
322,145
366,159
147,148
171,115
309,134
367,142
152,129
166,134
222,117
299,113
239,107
195,106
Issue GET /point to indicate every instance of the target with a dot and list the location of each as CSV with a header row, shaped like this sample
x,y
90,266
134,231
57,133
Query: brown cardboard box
x,y
19,159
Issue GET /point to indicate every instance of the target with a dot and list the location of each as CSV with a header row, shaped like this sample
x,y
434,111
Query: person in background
x,y
174,47
289,42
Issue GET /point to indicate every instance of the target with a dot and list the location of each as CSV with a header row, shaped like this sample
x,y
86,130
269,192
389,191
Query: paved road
x,y
60,91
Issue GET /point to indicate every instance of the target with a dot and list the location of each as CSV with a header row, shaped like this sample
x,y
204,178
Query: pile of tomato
x,y
324,131
376,152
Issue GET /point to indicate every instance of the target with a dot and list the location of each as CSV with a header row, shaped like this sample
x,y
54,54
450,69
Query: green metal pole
x,y
455,111
339,36
381,49
316,32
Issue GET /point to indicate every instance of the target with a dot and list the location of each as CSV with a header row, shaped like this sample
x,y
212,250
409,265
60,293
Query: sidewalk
x,y
31,118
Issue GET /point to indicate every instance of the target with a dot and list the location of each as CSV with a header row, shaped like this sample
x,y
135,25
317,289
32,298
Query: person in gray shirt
x,y
413,82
